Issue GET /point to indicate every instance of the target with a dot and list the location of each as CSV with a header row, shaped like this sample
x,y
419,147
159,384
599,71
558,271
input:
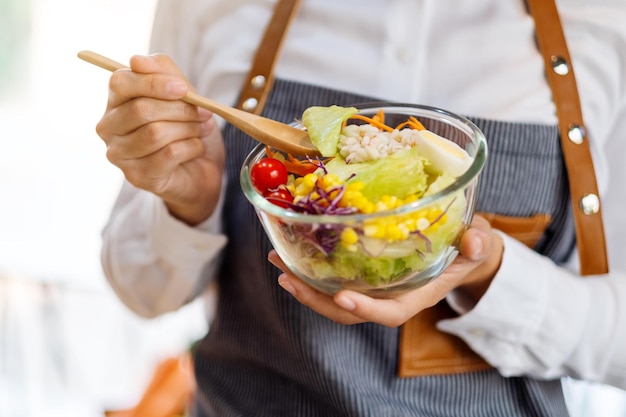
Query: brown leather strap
x,y
582,180
260,78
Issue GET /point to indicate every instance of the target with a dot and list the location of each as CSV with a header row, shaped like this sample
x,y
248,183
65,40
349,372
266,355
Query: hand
x,y
161,144
472,271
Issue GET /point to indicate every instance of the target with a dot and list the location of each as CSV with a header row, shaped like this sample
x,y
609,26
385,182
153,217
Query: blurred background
x,y
67,346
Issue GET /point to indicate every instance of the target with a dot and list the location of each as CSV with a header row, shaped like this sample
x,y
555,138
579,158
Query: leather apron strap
x,y
260,78
443,353
582,179
423,350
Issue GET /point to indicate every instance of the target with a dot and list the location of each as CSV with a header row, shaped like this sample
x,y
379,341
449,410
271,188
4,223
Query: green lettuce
x,y
324,126
400,174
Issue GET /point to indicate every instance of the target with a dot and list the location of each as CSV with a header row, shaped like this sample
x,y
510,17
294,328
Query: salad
x,y
367,168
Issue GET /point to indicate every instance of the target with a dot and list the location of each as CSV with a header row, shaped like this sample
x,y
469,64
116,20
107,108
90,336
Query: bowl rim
x,y
480,157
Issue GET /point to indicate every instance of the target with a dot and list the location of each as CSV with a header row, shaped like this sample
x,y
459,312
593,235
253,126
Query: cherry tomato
x,y
280,197
268,174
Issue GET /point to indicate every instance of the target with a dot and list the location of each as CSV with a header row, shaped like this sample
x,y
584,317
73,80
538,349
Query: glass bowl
x,y
379,267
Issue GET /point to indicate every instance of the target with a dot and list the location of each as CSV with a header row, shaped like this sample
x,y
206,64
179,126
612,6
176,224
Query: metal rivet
x,y
257,82
559,65
250,104
576,134
590,204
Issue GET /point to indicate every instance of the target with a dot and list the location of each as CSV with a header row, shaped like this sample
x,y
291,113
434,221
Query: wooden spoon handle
x,y
112,65
270,132
101,61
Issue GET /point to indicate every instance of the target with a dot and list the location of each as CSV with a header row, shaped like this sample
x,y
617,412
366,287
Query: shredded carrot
x,y
299,167
293,165
416,124
269,152
380,116
373,122
413,123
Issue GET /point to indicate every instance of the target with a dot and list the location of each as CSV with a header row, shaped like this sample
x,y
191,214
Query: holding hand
x,y
161,144
472,271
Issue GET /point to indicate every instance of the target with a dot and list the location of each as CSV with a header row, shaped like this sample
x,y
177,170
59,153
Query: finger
x,y
148,76
393,311
477,241
483,249
125,85
132,115
153,171
277,261
152,137
316,300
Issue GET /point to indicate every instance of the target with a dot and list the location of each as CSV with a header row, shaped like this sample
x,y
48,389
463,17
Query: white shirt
x,y
475,58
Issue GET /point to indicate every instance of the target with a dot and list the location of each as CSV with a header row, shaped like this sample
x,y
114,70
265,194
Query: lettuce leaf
x,y
324,126
400,174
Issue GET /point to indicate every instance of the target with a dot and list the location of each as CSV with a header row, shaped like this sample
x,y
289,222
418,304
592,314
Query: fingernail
x,y
345,303
272,258
177,88
282,281
478,245
478,249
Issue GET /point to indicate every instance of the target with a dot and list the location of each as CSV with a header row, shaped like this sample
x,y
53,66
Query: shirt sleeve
x,y
542,319
154,262
546,323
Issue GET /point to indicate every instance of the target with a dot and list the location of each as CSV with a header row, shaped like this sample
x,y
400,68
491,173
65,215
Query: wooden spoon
x,y
278,135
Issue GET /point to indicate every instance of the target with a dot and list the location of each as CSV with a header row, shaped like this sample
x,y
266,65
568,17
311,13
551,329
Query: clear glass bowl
x,y
378,267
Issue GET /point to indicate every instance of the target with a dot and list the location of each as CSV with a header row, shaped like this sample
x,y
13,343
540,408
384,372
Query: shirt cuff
x,y
518,324
180,244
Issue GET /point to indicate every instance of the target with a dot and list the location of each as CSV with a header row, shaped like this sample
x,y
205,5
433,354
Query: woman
x,y
181,221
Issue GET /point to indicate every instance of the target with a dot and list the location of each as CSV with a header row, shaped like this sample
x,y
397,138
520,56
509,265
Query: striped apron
x,y
267,355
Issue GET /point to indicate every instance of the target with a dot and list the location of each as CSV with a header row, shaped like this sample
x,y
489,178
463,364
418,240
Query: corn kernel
x,y
380,206
404,231
355,185
393,232
432,214
349,236
310,180
374,230
330,180
367,207
422,224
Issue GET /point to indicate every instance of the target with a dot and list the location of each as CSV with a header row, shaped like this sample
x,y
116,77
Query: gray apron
x,y
268,355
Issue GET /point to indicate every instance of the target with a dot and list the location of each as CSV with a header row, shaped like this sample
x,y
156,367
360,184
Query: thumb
x,y
476,244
